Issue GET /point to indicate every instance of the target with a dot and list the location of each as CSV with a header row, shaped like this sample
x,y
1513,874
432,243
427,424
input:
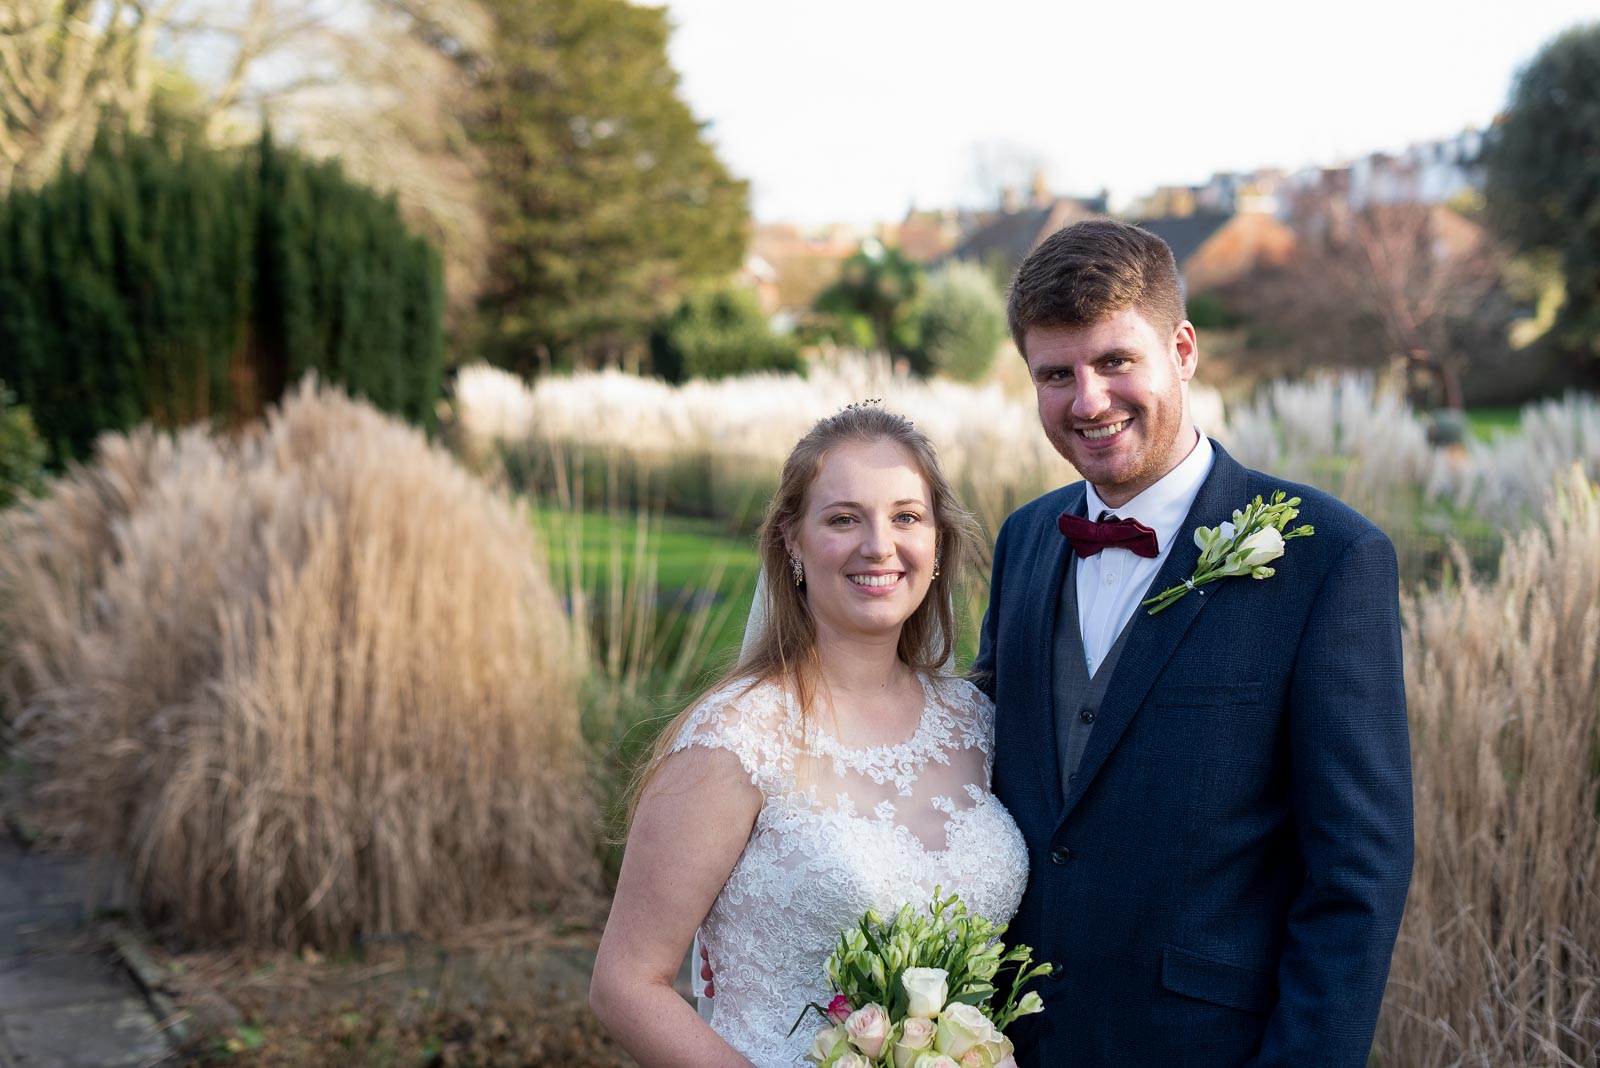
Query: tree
x,y
1543,168
878,287
963,321
607,202
66,66
174,283
717,332
1403,283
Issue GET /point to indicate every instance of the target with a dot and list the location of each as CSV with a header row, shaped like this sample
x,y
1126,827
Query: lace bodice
x,y
842,830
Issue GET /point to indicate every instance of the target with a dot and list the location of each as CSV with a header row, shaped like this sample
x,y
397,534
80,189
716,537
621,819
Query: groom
x,y
1216,798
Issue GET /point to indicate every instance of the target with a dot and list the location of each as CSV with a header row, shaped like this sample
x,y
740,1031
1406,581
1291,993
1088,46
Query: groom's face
x,y
1113,398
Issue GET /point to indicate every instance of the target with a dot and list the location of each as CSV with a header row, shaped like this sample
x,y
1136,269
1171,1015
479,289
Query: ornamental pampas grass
x,y
1498,961
312,684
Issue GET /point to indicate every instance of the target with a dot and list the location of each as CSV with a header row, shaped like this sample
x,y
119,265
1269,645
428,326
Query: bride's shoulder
x,y
962,699
739,712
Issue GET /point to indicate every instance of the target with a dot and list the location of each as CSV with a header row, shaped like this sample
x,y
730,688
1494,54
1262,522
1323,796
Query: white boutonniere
x,y
1243,547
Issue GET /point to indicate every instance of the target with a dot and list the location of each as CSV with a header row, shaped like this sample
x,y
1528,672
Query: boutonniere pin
x,y
1243,547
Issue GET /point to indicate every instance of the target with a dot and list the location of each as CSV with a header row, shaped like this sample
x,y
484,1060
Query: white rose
x,y
828,1039
926,990
961,1027
868,1028
916,1036
991,1054
934,1060
852,1060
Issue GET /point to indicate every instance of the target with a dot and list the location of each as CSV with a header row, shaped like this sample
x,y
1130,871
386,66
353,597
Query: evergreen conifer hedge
x,y
175,283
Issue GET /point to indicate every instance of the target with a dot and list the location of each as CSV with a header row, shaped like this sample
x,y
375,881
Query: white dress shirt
x,y
1112,582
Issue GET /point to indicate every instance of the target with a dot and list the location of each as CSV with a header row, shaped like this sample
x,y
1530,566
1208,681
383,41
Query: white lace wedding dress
x,y
840,831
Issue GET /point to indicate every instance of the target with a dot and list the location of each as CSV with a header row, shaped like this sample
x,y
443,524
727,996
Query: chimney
x,y
1041,190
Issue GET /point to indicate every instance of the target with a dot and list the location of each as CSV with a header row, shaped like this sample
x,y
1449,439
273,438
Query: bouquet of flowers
x,y
920,992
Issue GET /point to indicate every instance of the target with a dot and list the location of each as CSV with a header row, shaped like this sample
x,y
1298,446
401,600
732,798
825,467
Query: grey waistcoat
x,y
1075,695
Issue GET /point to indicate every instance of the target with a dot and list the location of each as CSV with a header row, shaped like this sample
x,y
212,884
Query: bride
x,y
836,768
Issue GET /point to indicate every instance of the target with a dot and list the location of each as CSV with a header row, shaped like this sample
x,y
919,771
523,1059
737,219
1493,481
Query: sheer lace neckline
x,y
863,756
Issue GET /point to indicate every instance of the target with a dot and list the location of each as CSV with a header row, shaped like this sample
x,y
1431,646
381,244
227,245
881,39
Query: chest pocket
x,y
1203,696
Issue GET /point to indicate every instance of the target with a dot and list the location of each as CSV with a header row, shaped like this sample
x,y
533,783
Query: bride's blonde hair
x,y
785,649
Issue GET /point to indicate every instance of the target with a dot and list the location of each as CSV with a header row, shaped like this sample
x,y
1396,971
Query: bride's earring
x,y
936,564
797,569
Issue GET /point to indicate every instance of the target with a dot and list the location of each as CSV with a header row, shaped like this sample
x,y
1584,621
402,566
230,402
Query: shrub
x,y
176,284
22,454
963,322
716,333
1499,954
313,684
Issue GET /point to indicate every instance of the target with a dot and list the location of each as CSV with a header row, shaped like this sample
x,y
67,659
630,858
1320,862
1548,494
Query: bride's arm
x,y
690,827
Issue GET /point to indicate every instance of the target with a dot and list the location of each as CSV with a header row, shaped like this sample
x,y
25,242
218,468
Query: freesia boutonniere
x,y
1243,547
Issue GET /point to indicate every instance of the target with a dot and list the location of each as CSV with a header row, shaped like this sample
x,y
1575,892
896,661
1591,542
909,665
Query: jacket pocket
x,y
1210,980
1209,695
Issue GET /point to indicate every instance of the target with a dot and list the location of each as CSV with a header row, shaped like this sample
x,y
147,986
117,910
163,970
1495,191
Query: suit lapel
x,y
1054,553
1153,639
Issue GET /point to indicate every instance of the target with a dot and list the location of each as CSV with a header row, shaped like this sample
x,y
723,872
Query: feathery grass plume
x,y
750,422
313,683
1341,434
1498,961
1504,480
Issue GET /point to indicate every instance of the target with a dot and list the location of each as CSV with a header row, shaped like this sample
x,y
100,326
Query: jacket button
x,y
1060,855
1087,715
1057,972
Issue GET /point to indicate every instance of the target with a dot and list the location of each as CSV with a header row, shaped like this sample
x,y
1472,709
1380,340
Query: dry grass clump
x,y
1498,961
1504,480
313,683
1339,433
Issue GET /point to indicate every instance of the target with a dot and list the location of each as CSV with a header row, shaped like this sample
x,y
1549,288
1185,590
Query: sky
x,y
854,110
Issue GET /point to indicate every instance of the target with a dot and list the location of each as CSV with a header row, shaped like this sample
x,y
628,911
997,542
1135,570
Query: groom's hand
x,y
705,973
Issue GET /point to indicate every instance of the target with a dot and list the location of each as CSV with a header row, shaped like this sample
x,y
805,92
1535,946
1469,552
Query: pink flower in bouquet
x,y
839,1008
868,1028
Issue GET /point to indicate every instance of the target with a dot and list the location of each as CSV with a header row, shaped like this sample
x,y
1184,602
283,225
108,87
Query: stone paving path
x,y
66,998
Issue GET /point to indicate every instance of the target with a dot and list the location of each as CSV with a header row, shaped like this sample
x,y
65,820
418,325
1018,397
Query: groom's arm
x,y
1351,767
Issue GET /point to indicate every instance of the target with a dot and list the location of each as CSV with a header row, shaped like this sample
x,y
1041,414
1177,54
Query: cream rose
x,y
926,989
868,1029
916,1036
990,1055
961,1027
851,1060
934,1060
827,1040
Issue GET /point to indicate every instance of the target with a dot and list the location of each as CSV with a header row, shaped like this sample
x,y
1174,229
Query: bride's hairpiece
x,y
870,402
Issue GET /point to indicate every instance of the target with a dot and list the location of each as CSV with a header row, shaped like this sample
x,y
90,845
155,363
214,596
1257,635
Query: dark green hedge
x,y
177,283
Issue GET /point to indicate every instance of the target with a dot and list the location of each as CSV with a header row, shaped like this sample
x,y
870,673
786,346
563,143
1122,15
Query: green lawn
x,y
696,560
1485,422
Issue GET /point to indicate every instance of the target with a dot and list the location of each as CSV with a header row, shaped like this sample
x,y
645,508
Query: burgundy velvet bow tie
x,y
1089,536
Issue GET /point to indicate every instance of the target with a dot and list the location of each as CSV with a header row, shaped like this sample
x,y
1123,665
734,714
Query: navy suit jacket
x,y
1223,882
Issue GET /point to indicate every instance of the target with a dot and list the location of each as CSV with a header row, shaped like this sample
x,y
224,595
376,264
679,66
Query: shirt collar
x,y
1163,506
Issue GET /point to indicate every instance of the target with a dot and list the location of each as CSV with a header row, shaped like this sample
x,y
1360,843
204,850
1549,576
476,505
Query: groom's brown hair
x,y
1084,272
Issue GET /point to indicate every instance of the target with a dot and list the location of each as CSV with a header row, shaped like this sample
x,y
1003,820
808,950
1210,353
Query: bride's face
x,y
867,539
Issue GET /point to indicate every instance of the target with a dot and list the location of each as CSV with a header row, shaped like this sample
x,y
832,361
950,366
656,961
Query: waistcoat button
x,y
1060,855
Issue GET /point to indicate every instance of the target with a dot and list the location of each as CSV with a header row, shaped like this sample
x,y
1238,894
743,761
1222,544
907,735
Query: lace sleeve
x,y
751,721
973,713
